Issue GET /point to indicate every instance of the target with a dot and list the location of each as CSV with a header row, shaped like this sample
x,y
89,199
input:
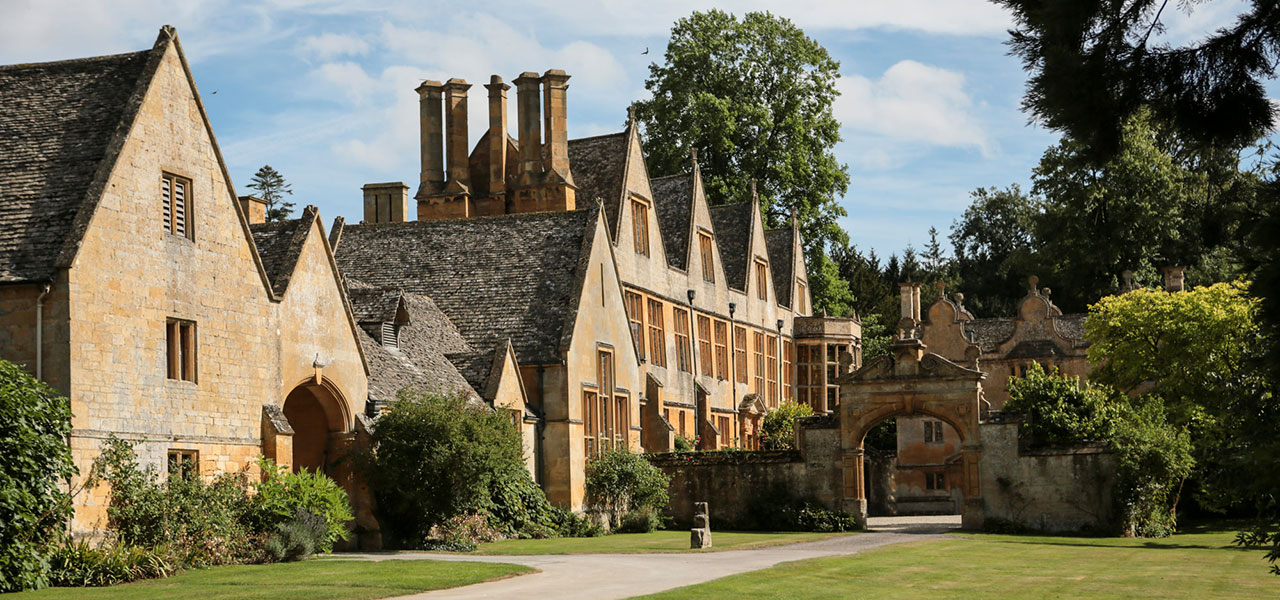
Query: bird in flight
x,y
646,50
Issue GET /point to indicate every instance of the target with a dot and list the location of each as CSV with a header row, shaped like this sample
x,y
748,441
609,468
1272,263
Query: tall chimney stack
x,y
497,135
555,84
529,121
432,139
455,124
386,202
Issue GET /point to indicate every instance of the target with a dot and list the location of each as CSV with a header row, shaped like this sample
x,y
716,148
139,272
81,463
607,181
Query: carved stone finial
x,y
1127,284
1045,292
693,154
941,286
631,115
753,188
959,298
1032,282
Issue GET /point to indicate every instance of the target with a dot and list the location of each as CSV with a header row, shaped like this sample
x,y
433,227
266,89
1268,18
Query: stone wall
x,y
1057,490
731,481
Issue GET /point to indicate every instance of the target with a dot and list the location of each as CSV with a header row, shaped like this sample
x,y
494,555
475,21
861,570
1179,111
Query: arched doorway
x,y
318,415
911,382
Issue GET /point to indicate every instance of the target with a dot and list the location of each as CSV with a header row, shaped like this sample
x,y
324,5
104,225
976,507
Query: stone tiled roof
x,y
1070,326
672,201
373,305
599,170
781,245
733,235
988,334
511,277
58,126
420,361
1035,349
475,367
280,245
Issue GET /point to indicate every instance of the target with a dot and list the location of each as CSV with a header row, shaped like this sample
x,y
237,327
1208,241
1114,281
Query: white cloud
x,y
911,103
327,46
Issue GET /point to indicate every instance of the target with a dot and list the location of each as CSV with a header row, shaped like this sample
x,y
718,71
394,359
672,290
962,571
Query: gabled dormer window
x,y
762,279
640,224
390,336
708,264
175,197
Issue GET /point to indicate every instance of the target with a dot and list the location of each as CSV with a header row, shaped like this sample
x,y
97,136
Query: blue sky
x,y
323,90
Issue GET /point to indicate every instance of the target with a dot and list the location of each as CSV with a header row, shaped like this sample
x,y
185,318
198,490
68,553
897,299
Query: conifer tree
x,y
271,186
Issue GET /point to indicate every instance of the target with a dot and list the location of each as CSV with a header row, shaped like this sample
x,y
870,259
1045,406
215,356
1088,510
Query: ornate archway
x,y
909,382
321,423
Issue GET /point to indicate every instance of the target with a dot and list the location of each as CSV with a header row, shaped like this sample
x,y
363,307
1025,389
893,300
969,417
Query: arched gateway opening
x,y
911,382
319,418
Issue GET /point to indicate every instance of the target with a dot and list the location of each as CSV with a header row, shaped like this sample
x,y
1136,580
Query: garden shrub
x,y
640,520
283,495
80,564
298,538
778,430
566,523
780,510
461,533
438,456
34,460
199,524
619,481
1154,458
683,444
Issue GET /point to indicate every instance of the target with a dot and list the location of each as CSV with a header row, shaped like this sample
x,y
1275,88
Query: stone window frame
x,y
722,348
762,279
706,250
181,350
740,353
726,431
186,461
657,334
935,481
640,224
706,353
788,366
176,202
933,432
684,351
802,297
757,356
621,419
635,315
771,371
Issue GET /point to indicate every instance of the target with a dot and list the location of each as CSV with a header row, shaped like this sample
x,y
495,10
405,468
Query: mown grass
x,y
318,580
1203,564
655,542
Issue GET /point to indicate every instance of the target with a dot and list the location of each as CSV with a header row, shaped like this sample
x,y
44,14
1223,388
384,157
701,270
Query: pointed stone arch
x,y
910,382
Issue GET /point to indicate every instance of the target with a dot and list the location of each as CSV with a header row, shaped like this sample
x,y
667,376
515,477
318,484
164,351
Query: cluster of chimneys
x,y
445,142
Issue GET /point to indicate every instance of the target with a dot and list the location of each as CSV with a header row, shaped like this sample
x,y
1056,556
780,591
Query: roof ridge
x,y
508,216
68,61
652,179
596,137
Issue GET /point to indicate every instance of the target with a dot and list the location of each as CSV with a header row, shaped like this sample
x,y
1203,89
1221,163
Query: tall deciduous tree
x,y
995,248
754,97
271,186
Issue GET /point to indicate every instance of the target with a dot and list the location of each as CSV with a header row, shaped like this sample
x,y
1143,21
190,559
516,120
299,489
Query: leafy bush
x,y
778,430
81,565
461,534
298,538
619,481
283,496
34,460
566,523
640,520
1154,457
780,509
683,444
435,457
200,524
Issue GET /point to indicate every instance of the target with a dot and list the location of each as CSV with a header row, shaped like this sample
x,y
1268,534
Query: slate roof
x,y
475,367
599,170
732,223
280,245
506,277
57,124
672,202
988,334
782,261
1035,349
420,362
373,305
1070,326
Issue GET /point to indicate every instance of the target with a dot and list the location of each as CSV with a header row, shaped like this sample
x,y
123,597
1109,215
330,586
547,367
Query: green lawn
x,y
327,579
658,541
1196,565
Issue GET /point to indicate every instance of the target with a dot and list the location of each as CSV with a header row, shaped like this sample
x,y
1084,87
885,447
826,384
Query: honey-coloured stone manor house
x,y
549,278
